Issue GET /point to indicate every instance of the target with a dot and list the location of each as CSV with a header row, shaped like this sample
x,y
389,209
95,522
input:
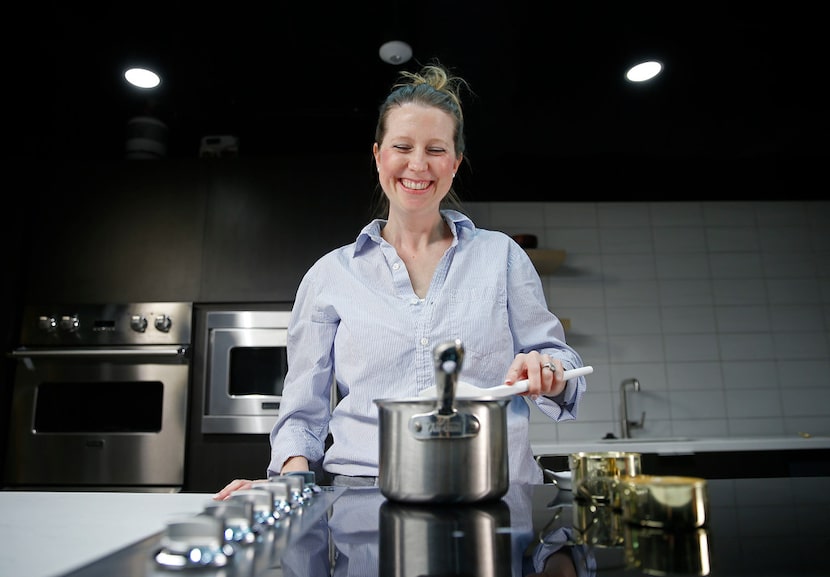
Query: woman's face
x,y
416,160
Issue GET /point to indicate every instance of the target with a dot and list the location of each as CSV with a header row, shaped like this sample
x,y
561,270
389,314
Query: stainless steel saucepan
x,y
444,449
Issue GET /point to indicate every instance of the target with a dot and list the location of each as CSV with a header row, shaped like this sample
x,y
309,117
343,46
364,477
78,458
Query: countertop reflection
x,y
770,526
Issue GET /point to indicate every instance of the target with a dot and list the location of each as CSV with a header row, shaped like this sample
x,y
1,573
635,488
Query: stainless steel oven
x,y
100,395
241,359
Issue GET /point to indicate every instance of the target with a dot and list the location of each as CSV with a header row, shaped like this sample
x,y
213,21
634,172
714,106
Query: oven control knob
x,y
47,324
163,323
69,323
138,323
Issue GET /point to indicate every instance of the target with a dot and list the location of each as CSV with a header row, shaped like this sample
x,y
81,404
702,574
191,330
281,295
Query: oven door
x,y
104,419
245,377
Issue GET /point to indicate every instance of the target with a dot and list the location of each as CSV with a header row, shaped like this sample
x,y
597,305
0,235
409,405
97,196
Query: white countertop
x,y
45,534
682,445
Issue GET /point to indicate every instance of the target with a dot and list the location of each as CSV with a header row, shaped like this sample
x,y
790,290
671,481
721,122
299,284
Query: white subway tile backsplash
x,y
682,266
624,215
585,320
772,214
790,265
805,373
720,309
578,241
679,239
726,239
743,346
694,376
690,347
780,239
746,403
798,402
793,291
697,404
629,266
797,318
749,374
685,292
815,426
625,240
742,319
561,215
700,428
630,293
688,319
648,348
735,265
633,321
674,214
800,345
574,292
652,376
729,214
517,214
759,426
743,291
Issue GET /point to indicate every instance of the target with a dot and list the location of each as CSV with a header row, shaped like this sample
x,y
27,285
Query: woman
x,y
368,315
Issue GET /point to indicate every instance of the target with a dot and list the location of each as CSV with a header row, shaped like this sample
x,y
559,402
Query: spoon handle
x,y
521,386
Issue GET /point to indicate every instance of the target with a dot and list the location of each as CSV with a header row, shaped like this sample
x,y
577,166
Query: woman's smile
x,y
418,185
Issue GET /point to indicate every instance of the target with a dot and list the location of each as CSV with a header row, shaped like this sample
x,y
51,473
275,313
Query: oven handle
x,y
88,353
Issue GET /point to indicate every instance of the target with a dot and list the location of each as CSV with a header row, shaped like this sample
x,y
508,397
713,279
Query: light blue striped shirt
x,y
356,316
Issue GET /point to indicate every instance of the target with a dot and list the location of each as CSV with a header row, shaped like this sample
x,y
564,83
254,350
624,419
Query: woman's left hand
x,y
544,373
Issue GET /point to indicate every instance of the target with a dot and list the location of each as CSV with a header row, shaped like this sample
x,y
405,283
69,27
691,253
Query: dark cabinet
x,y
121,232
268,220
200,230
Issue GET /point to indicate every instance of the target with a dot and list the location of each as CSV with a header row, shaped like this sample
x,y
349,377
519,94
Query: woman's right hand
x,y
234,485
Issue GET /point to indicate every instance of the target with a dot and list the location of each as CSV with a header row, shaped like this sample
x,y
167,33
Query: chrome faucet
x,y
626,423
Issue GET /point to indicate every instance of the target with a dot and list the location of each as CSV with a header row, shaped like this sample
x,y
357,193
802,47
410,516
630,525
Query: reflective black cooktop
x,y
771,527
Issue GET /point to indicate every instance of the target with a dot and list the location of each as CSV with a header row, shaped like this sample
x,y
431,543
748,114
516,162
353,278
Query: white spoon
x,y
467,391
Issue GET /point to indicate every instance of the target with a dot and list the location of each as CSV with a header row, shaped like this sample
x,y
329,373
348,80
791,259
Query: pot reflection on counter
x,y
667,552
442,540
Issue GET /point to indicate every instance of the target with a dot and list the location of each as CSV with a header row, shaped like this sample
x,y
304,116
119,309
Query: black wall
x,y
233,230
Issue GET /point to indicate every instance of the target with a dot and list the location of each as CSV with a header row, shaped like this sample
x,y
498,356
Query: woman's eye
x,y
402,147
436,150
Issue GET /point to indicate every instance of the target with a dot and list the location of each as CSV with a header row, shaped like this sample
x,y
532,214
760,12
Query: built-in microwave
x,y
243,368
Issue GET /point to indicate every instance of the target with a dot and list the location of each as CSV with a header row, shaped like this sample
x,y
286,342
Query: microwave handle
x,y
88,353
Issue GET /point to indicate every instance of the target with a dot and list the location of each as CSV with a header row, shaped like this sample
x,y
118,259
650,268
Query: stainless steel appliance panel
x,y
244,367
92,422
100,397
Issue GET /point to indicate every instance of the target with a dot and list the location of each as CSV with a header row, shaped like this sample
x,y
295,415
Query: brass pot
x,y
593,525
595,476
664,502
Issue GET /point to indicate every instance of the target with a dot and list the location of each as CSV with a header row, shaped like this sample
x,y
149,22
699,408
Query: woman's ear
x,y
376,154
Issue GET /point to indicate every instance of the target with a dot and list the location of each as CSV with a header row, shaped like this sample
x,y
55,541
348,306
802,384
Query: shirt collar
x,y
460,225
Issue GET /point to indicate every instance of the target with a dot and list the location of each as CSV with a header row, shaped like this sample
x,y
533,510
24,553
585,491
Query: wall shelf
x,y
546,260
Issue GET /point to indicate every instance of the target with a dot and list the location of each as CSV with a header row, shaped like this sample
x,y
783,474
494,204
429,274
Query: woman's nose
x,y
417,162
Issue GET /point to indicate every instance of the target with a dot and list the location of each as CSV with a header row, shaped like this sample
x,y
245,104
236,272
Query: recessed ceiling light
x,y
644,71
395,52
142,77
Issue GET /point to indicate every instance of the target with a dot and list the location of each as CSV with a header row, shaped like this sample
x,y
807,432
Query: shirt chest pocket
x,y
479,315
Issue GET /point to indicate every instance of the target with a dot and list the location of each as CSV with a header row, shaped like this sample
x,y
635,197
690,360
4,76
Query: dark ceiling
x,y
744,90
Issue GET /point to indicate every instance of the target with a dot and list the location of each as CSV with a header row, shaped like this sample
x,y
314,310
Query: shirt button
x,y
415,301
396,266
424,341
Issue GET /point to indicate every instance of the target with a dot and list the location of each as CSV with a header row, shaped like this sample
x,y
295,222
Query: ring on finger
x,y
550,366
